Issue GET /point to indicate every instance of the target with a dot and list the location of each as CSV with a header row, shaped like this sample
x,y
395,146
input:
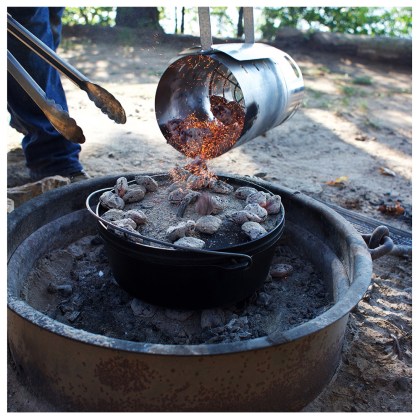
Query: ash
x,y
75,286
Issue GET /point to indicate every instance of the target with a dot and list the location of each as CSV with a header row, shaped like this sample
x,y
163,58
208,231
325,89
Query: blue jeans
x,y
47,152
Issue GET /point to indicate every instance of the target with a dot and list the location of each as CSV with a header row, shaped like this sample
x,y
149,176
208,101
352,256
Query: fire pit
x,y
82,371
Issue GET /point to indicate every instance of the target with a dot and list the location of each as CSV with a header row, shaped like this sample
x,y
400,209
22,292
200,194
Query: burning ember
x,y
207,139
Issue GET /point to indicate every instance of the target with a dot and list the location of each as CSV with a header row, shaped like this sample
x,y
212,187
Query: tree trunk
x,y
378,48
138,17
182,20
240,30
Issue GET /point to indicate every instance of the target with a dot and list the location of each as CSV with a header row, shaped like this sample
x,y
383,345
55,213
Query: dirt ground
x,y
350,144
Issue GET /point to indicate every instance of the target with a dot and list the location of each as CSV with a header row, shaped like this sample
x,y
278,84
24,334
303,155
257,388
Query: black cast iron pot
x,y
190,278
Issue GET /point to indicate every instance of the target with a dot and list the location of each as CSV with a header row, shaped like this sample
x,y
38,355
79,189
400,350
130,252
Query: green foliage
x,y
362,80
222,18
396,21
103,16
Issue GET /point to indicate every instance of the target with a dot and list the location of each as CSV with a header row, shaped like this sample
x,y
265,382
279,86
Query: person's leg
x,y
47,152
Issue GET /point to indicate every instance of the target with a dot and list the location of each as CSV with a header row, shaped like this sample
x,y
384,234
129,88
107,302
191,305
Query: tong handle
x,y
205,27
101,97
45,52
59,118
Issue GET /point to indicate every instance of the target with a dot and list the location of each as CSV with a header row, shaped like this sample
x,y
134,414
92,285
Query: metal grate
x,y
365,225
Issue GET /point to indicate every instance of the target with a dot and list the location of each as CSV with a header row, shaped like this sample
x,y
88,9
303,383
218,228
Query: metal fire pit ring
x,y
81,371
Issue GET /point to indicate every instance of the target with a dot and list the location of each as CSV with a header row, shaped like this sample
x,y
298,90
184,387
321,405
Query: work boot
x,y
78,176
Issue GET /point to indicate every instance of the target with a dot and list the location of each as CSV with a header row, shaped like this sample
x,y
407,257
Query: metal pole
x,y
249,25
205,28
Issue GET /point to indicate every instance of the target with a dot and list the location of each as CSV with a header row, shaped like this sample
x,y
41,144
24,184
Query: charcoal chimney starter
x,y
261,81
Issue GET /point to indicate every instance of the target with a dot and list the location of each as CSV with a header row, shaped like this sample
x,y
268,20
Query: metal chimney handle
x,y
249,25
205,27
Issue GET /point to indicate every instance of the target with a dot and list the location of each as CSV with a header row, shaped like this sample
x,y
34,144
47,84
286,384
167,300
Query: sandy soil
x,y
350,144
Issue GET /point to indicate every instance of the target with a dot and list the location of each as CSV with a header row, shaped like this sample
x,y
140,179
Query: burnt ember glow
x,y
194,174
211,137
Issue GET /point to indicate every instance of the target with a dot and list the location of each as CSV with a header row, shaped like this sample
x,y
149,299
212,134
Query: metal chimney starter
x,y
264,81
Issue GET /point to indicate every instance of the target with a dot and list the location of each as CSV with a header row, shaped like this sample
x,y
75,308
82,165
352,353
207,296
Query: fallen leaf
x,y
386,171
338,181
395,210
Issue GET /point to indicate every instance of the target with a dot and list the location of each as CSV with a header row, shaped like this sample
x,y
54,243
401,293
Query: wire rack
x,y
365,225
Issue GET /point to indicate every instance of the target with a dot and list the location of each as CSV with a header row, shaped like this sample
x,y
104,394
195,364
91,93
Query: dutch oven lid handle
x,y
237,261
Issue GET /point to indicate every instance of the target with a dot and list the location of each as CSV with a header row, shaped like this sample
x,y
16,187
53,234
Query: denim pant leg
x,y
47,152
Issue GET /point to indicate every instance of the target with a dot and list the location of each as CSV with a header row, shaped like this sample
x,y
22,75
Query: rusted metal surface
x,y
93,377
81,371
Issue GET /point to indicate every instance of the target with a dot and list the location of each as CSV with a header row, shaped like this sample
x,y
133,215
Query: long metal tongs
x,y
58,117
61,121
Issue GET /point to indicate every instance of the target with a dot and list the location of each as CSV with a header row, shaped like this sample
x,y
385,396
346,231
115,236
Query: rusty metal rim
x,y
339,310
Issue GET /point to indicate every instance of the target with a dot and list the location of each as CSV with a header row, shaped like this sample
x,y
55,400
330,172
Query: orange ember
x,y
209,138
194,174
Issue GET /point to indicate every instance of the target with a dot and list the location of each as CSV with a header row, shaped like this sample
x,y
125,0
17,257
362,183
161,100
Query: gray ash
x,y
76,287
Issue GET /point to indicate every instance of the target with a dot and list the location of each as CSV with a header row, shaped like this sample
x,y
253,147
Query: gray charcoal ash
x,y
259,197
197,182
242,216
219,204
110,200
143,309
147,181
256,209
137,216
72,316
134,194
238,328
190,198
113,214
180,230
208,224
176,185
263,299
253,230
209,204
205,204
178,315
243,192
121,186
125,223
273,204
212,318
215,339
280,270
220,187
190,242
177,195
65,290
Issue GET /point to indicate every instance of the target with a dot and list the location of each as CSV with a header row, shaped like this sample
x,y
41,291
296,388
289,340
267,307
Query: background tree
x,y
223,21
240,26
396,21
138,17
182,20
103,16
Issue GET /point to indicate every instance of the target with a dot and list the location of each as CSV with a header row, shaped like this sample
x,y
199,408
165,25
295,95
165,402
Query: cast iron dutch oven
x,y
187,278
